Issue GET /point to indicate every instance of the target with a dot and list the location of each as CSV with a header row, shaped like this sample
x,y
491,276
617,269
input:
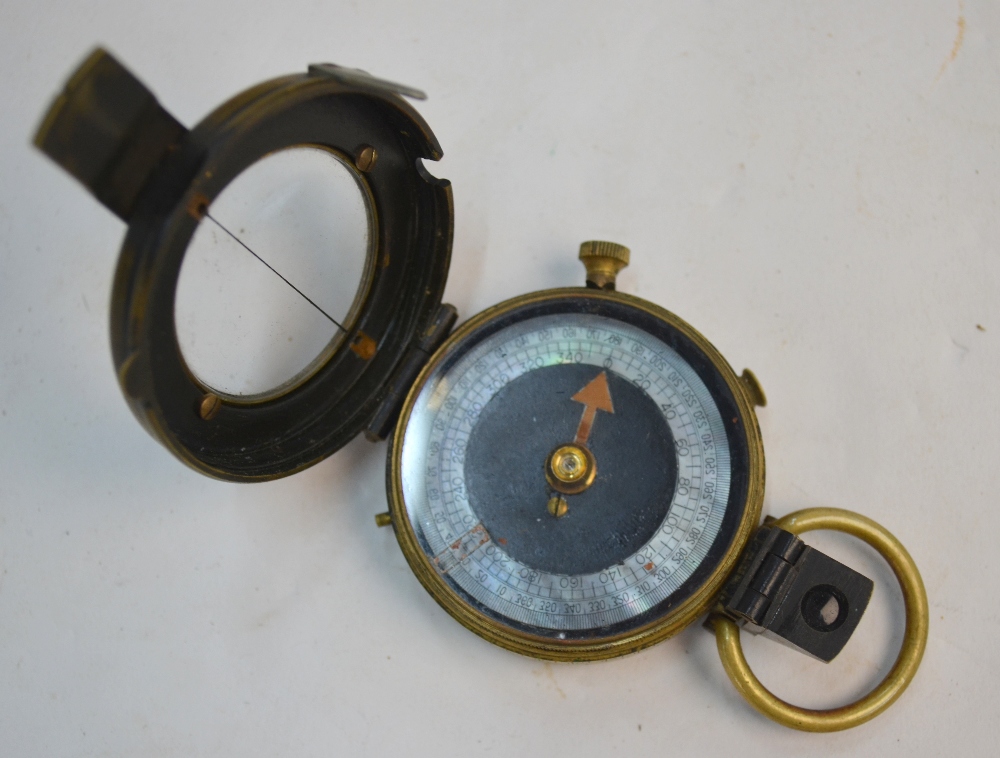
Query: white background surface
x,y
813,186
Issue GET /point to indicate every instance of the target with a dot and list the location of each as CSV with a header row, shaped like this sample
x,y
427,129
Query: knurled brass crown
x,y
603,261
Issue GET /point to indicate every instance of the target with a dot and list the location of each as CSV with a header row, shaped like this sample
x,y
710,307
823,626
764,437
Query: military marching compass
x,y
573,474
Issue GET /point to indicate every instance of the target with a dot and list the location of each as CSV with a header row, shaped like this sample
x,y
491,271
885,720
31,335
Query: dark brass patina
x,y
108,130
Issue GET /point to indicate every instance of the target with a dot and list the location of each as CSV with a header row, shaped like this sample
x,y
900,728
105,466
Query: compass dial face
x,y
572,474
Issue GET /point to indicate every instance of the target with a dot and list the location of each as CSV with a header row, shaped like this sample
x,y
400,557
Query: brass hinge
x,y
384,420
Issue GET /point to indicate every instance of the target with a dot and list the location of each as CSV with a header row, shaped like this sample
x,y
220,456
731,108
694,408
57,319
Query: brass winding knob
x,y
603,261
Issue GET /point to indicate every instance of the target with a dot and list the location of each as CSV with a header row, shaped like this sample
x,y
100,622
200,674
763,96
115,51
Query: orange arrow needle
x,y
595,397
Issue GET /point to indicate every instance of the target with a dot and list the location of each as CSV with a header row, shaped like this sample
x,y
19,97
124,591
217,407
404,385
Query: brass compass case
x,y
671,617
394,364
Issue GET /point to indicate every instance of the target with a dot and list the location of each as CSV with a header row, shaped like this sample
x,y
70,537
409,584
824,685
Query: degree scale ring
x,y
695,596
727,633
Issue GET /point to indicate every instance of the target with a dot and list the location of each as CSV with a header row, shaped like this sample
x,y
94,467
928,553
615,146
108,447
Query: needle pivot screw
x,y
570,469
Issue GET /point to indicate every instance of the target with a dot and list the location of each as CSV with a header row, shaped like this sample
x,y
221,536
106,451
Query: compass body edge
x,y
698,599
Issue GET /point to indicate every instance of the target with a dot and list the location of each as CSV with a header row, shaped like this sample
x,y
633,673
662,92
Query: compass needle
x,y
595,397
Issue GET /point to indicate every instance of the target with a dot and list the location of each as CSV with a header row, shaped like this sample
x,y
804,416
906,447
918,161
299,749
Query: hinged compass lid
x,y
109,131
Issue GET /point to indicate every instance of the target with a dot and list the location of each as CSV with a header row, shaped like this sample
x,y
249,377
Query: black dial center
x,y
505,471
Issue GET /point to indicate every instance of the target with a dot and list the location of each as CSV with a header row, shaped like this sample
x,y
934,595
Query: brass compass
x,y
573,474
